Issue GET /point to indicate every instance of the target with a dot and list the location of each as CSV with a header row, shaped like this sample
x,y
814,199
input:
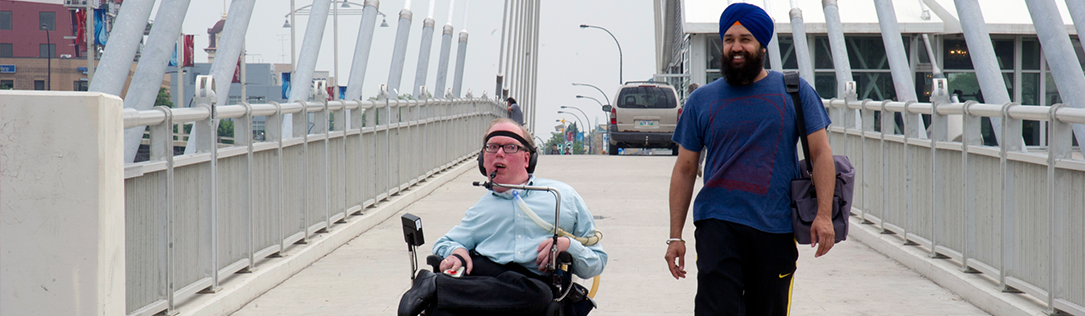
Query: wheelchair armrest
x,y
564,258
435,262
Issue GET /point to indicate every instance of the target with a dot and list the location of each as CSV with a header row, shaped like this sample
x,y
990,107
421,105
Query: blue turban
x,y
750,16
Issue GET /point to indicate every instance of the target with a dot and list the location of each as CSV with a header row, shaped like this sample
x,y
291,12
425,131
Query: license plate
x,y
646,123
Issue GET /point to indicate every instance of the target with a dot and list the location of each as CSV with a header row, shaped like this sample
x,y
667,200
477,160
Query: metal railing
x,y
1011,212
193,219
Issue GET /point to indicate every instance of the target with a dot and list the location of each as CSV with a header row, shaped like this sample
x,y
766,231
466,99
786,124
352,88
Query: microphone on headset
x,y
488,184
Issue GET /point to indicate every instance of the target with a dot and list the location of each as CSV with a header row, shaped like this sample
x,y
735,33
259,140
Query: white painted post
x,y
970,137
939,133
887,123
62,220
867,119
1010,126
275,135
357,120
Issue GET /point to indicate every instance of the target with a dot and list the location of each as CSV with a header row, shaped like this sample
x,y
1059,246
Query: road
x,y
628,196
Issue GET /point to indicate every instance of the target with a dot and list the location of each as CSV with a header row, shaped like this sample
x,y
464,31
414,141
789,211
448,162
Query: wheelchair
x,y
572,296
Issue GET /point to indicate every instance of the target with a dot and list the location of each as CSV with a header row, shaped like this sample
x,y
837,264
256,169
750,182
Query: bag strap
x,y
791,84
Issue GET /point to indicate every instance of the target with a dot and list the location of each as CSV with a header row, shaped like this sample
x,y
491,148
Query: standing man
x,y
746,250
514,111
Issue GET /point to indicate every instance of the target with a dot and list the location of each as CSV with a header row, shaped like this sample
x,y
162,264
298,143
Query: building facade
x,y
36,43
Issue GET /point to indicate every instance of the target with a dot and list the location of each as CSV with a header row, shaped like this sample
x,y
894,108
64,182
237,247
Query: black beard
x,y
744,75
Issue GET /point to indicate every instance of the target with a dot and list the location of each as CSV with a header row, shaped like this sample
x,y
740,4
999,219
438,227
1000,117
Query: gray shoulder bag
x,y
804,201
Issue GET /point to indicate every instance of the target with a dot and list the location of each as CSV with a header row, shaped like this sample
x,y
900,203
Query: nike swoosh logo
x,y
784,275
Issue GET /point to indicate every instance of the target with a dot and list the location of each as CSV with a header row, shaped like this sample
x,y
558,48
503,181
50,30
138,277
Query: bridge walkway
x,y
628,195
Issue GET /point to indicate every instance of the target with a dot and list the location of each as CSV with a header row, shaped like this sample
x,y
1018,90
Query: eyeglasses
x,y
509,148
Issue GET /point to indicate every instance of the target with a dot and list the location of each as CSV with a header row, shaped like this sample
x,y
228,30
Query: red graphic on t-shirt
x,y
745,134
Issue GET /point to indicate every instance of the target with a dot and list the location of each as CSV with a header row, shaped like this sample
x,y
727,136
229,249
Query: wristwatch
x,y
669,241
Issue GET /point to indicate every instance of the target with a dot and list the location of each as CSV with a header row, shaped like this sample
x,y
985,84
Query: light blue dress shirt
x,y
494,227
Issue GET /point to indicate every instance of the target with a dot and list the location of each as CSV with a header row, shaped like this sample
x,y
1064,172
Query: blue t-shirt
x,y
752,156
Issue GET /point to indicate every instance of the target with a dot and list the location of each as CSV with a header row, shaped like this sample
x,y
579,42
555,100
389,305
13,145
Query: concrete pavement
x,y
628,196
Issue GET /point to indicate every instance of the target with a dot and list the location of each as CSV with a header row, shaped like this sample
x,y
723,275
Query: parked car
x,y
644,115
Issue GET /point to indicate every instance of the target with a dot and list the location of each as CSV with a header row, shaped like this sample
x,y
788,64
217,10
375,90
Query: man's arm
x,y
458,240
588,261
821,232
681,192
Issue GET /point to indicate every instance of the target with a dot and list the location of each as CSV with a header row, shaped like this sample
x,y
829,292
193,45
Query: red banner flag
x,y
190,55
237,70
81,28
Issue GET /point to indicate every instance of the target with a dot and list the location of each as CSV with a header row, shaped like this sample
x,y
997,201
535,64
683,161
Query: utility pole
x,y
49,57
92,50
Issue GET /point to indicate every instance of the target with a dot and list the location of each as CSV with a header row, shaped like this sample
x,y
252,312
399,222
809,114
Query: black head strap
x,y
517,137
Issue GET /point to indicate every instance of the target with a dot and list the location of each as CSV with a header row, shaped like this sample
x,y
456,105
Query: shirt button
x,y
519,236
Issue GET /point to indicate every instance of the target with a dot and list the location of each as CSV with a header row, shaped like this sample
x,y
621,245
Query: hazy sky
x,y
567,53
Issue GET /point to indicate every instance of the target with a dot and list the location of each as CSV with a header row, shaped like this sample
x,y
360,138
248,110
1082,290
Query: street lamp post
x,y
580,128
594,99
575,108
335,48
539,143
606,116
620,78
290,24
596,88
575,116
335,33
49,57
591,129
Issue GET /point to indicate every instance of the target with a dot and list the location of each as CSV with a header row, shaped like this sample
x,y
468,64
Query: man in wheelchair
x,y
503,243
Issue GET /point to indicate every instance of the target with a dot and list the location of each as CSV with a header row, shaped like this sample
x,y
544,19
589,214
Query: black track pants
x,y
492,289
743,271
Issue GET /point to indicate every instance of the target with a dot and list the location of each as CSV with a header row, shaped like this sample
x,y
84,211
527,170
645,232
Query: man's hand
x,y
676,250
681,192
544,251
822,235
451,262
824,176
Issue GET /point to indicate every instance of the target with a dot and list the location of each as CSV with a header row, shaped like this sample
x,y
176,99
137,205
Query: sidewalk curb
x,y
978,289
243,288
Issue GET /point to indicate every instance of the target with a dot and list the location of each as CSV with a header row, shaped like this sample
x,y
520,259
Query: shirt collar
x,y
508,193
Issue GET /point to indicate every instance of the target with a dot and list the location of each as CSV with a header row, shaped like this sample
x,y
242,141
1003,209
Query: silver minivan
x,y
644,115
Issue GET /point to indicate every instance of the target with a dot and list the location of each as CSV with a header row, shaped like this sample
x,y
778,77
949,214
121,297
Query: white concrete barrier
x,y
61,204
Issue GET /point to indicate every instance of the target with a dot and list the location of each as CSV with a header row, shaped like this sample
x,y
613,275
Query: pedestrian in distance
x,y
746,249
515,114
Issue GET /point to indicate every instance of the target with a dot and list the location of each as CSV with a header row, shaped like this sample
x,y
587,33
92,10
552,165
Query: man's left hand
x,y
544,251
822,235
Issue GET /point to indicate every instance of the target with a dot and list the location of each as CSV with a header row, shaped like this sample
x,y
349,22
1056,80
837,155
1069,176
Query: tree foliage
x,y
164,97
578,148
558,139
226,129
